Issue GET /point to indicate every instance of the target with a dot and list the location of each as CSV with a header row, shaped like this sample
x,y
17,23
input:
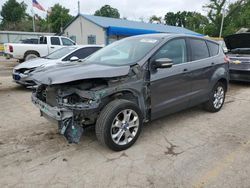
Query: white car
x,y
45,46
64,55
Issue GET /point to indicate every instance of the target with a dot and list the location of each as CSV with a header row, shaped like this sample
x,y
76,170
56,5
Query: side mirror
x,y
74,58
162,63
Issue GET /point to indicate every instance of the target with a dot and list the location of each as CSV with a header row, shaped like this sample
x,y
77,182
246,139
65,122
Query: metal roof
x,y
106,22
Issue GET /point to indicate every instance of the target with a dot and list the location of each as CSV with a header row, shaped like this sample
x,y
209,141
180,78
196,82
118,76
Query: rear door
x,y
170,87
202,68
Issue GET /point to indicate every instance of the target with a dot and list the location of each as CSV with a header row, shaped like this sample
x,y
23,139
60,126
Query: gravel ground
x,y
192,148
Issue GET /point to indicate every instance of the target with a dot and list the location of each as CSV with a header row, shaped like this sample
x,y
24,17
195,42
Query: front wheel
x,y
216,98
119,124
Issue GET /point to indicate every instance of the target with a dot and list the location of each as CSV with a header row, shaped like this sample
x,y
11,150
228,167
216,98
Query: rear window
x,y
199,49
82,53
43,40
213,48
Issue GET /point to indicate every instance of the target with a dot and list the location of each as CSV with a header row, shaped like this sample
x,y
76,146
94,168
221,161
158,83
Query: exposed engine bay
x,y
76,105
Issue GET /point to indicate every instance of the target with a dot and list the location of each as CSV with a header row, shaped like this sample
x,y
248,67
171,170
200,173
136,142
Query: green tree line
x,y
15,17
236,16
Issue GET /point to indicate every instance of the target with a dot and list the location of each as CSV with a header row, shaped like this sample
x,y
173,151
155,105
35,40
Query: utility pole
x,y
78,6
222,21
33,19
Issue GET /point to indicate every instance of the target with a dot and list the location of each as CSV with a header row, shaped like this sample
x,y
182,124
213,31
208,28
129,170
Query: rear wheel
x,y
217,98
31,55
119,124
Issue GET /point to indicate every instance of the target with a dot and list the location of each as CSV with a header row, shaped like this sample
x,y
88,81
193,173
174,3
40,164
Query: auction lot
x,y
192,148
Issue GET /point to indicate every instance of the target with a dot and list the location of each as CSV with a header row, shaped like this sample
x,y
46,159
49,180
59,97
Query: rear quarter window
x,y
82,53
199,49
213,48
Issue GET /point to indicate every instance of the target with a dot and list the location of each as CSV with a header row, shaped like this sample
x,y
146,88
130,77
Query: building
x,y
89,29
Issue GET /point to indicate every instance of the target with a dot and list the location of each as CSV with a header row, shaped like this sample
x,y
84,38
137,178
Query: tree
x,y
236,19
155,19
215,11
177,19
197,22
107,11
171,18
216,8
58,17
190,20
12,13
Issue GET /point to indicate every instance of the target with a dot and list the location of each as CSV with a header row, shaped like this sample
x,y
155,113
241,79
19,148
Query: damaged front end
x,y
75,105
72,107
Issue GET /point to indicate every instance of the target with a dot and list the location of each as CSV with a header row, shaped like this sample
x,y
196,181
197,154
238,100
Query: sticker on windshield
x,y
148,40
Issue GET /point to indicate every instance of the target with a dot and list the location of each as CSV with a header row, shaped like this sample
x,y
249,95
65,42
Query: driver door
x,y
170,87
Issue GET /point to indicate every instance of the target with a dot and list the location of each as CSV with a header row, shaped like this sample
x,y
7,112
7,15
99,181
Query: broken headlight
x,y
75,99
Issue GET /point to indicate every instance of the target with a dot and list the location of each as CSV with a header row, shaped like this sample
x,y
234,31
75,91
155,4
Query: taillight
x,y
10,48
226,59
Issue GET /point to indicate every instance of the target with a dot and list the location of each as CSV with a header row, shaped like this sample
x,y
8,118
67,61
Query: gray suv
x,y
132,81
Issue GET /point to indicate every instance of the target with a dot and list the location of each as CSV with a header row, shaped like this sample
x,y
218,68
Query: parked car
x,y
239,55
64,55
47,45
220,41
30,41
132,81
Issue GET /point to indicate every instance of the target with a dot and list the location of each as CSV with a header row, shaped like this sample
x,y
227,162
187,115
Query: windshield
x,y
60,53
124,52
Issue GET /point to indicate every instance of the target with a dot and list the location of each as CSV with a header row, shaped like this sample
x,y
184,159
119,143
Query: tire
x,y
114,130
218,93
30,55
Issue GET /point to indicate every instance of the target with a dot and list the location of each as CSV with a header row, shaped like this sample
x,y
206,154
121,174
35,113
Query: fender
x,y
221,73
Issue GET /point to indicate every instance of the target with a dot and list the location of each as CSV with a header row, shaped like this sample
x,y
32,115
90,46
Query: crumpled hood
x,y
37,62
65,73
241,40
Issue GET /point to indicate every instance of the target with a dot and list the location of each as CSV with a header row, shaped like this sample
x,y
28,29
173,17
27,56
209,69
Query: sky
x,y
131,9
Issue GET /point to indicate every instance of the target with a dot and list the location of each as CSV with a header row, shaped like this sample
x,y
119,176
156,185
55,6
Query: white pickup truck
x,y
46,45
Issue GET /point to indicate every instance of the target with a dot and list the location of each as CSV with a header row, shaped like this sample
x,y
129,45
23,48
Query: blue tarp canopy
x,y
123,31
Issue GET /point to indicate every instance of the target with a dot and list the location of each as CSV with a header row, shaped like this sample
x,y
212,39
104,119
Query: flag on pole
x,y
37,5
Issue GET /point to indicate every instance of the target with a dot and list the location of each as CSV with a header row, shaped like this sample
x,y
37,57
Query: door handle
x,y
52,47
212,63
185,70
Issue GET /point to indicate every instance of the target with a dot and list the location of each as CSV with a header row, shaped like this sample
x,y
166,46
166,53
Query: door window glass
x,y
213,48
55,40
67,42
175,50
199,49
43,40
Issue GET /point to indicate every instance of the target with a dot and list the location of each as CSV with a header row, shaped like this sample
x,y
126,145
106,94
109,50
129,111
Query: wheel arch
x,y
127,94
31,52
220,75
225,82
